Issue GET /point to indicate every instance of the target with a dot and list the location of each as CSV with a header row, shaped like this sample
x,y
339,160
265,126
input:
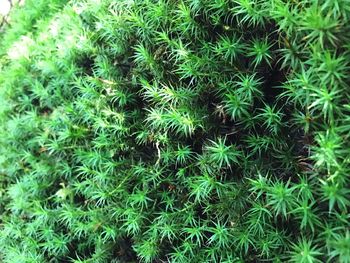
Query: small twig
x,y
159,154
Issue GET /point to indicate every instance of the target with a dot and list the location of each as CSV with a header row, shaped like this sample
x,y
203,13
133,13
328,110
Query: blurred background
x,y
5,7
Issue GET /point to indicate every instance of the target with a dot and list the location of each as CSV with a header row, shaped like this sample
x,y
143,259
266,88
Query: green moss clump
x,y
175,131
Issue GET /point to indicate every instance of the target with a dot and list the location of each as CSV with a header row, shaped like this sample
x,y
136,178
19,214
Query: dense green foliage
x,y
175,131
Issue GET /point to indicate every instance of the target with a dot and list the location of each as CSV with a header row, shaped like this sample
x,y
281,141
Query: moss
x,y
175,131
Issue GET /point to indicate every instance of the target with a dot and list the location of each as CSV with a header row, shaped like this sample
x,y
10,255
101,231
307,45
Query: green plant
x,y
305,251
222,155
175,131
